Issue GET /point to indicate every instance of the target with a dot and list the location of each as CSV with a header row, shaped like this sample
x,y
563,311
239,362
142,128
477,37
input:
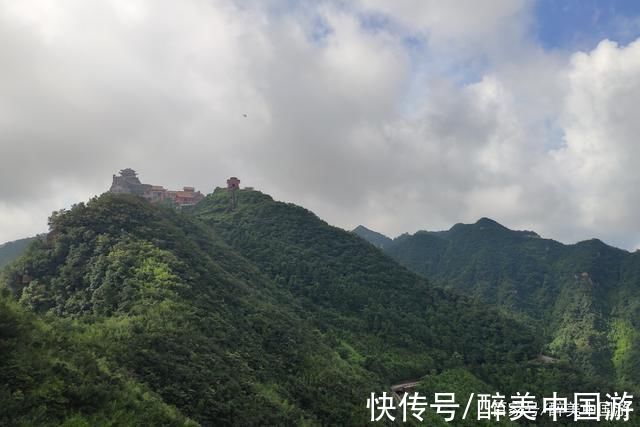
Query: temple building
x,y
128,182
233,185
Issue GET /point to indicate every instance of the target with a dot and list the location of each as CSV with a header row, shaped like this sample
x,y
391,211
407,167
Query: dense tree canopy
x,y
259,315
583,299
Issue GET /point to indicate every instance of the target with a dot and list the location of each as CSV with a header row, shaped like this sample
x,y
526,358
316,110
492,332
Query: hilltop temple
x,y
128,182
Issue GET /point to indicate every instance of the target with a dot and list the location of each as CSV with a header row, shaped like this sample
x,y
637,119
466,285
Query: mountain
x,y
261,315
377,239
401,324
157,295
12,250
584,299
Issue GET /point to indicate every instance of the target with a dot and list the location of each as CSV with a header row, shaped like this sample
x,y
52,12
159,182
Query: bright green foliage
x,y
49,377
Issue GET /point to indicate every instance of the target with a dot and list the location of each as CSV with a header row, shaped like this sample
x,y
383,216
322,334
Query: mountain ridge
x,y
584,298
483,221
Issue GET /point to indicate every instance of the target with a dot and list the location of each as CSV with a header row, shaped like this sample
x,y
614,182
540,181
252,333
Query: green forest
x,y
129,313
582,299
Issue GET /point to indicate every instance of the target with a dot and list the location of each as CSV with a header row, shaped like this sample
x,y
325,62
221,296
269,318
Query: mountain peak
x,y
483,223
488,222
376,239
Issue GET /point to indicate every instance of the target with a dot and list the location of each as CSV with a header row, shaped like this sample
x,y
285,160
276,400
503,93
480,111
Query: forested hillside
x,y
403,326
584,299
262,315
163,298
50,375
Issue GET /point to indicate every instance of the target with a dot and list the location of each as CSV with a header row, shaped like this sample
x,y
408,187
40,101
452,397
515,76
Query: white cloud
x,y
598,162
345,117
463,20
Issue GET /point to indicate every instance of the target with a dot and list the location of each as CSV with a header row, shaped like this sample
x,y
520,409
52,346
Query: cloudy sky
x,y
399,115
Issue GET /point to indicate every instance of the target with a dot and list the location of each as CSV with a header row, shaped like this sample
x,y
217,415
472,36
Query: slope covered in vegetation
x,y
162,297
584,299
259,315
50,375
395,322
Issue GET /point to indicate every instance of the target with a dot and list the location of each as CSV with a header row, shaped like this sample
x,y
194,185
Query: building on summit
x,y
233,185
128,182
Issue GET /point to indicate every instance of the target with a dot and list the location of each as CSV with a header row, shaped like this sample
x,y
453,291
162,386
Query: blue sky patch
x,y
582,24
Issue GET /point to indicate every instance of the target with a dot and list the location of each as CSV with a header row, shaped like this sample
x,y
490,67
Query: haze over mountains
x,y
12,250
583,299
262,314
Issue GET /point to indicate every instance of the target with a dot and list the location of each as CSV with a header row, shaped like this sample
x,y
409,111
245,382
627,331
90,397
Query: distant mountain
x,y
375,238
12,250
584,299
260,315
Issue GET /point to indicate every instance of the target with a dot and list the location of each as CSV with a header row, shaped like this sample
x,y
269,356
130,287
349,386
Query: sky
x,y
399,115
